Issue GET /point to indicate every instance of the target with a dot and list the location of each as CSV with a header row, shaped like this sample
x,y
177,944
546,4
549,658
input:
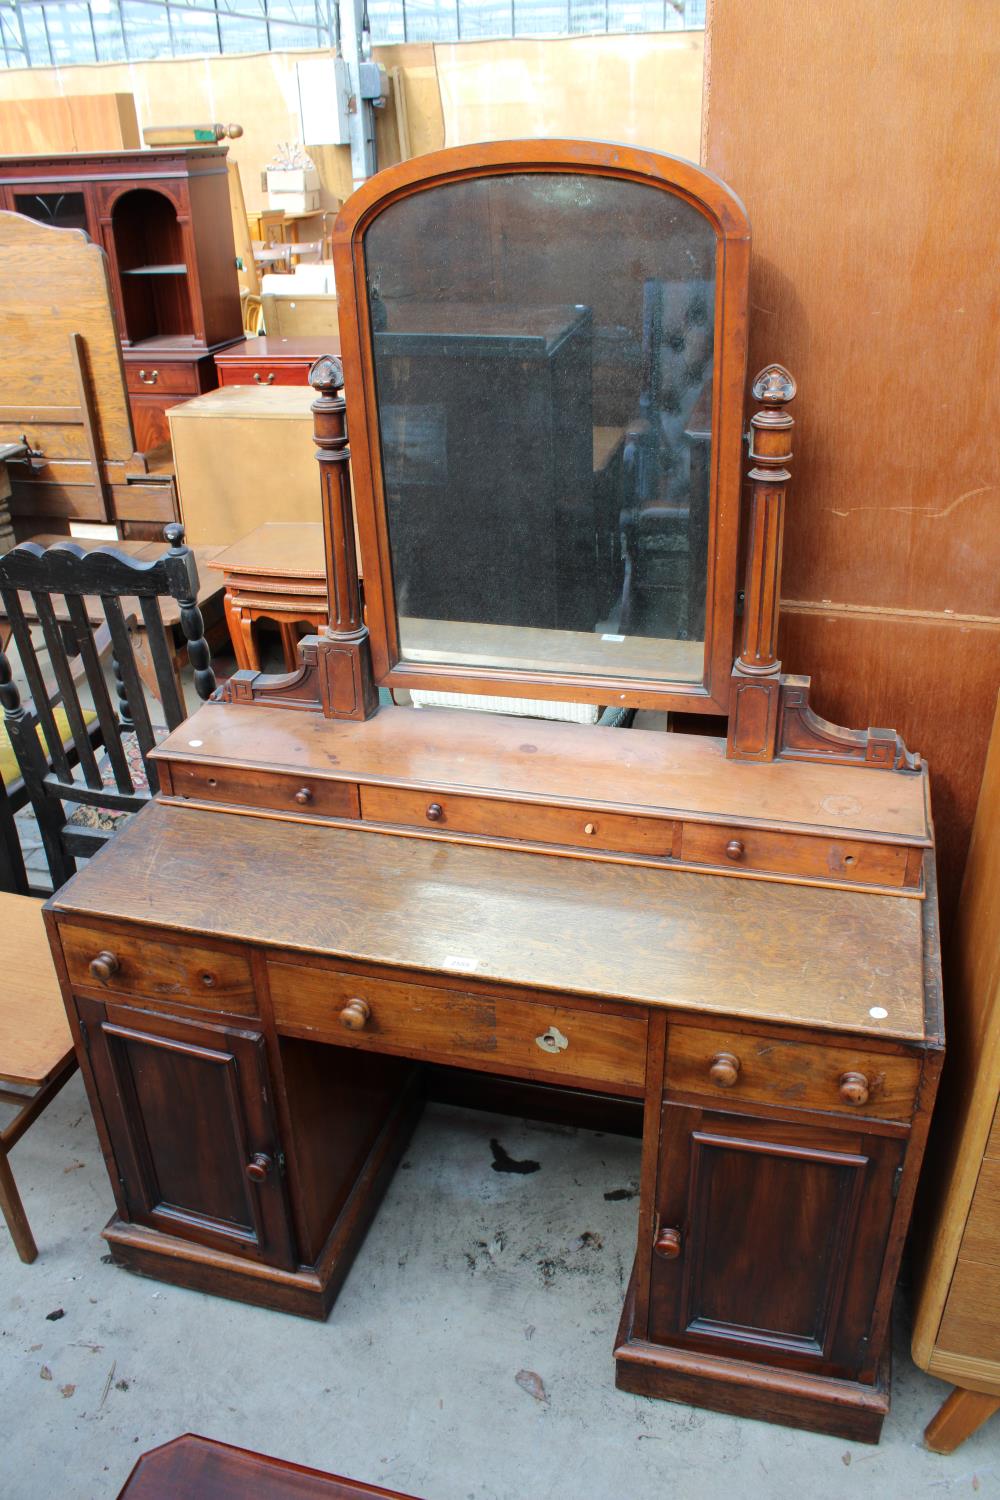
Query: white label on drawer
x,y
618,638
878,1012
459,961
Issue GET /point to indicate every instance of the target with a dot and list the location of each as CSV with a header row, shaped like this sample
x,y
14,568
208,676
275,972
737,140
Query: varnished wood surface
x,y
798,1073
289,549
603,1048
210,978
34,1033
196,1468
632,769
700,942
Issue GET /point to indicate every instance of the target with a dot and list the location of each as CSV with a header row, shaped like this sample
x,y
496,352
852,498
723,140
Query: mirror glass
x,y
543,365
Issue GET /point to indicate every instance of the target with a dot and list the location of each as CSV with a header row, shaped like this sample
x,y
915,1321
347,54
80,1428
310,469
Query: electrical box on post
x,y
324,97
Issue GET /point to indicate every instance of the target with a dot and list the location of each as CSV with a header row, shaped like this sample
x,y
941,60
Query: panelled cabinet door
x,y
770,1238
188,1110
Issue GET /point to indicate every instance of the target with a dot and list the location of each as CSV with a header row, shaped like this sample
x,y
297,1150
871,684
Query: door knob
x,y
435,812
735,849
258,1167
356,1014
668,1243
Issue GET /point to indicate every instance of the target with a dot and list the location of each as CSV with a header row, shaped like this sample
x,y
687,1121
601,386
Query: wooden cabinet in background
x,y
163,218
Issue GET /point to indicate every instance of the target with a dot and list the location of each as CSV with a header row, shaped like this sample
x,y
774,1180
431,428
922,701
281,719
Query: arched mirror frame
x,y
724,212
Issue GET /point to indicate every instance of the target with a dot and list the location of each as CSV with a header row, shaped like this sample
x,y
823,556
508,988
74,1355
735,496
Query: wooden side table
x,y
276,573
196,1468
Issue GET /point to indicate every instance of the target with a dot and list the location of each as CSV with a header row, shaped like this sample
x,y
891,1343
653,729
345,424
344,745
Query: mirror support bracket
x,y
769,713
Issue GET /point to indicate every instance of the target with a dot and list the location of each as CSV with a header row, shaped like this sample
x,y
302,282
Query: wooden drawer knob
x,y
724,1069
356,1014
104,965
735,849
258,1167
668,1243
303,796
435,812
590,827
854,1088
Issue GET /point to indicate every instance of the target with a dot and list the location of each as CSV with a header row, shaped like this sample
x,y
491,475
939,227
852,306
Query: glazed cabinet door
x,y
770,1238
188,1110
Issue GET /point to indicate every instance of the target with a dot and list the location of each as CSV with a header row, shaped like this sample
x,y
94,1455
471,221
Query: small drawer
x,y
156,375
805,854
521,1037
271,789
748,1067
253,373
525,821
156,968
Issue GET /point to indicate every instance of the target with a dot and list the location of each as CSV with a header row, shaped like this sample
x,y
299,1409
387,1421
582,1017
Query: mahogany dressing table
x,y
736,933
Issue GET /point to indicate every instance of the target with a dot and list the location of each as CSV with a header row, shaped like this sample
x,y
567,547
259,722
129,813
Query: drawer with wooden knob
x,y
274,790
158,967
751,1067
814,856
603,1047
527,822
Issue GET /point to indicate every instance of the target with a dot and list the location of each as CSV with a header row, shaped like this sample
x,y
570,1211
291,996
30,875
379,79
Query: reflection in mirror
x,y
543,364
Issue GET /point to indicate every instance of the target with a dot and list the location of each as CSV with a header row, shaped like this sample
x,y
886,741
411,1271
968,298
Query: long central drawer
x,y
604,1047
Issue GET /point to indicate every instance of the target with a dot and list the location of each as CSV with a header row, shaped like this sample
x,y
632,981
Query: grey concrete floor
x,y
467,1358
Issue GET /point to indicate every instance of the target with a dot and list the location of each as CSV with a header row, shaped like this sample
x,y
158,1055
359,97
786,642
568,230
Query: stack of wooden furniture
x,y
65,415
163,218
733,935
277,573
956,1333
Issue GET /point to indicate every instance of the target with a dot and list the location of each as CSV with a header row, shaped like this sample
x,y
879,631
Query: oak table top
x,y
704,943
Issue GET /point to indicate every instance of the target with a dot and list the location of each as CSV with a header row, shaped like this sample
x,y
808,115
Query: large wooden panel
x,y
867,169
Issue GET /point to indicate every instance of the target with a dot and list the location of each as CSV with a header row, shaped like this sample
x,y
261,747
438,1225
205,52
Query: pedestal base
x,y
839,1408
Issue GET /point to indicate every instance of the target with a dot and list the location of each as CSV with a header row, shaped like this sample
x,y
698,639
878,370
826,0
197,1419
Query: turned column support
x,y
347,687
770,453
756,688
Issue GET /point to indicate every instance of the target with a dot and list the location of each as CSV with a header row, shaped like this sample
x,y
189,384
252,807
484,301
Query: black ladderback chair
x,y
110,780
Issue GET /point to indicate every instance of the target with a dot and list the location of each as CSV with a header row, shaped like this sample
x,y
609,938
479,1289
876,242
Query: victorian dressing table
x,y
736,934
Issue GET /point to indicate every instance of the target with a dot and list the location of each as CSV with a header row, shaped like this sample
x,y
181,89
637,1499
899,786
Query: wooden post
x,y
347,686
756,690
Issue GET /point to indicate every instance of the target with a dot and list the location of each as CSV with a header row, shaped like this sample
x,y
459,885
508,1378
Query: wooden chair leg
x,y
13,1212
959,1417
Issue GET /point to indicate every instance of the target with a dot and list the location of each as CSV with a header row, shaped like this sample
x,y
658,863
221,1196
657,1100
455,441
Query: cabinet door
x,y
189,1115
771,1238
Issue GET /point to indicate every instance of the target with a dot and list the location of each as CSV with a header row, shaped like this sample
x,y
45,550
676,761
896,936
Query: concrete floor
x,y
468,1357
